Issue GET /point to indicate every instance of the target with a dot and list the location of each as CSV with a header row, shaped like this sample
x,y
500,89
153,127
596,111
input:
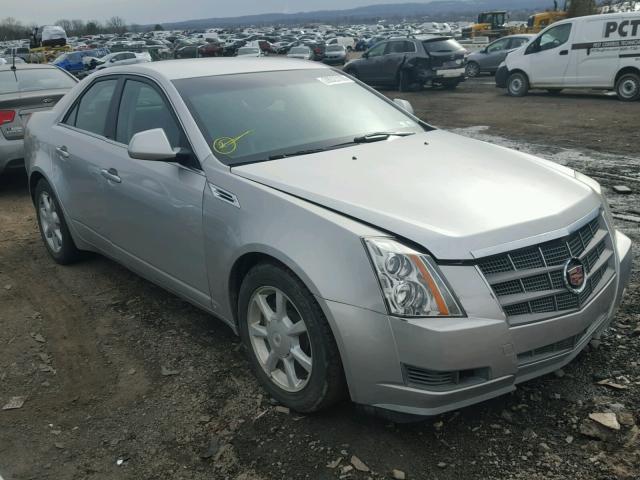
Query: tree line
x,y
12,29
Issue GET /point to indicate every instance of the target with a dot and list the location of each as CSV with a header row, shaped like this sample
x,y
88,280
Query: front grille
x,y
550,350
529,282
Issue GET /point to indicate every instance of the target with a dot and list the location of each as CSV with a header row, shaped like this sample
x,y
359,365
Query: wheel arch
x,y
625,70
34,178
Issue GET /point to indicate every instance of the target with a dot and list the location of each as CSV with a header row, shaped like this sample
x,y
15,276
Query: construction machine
x,y
490,24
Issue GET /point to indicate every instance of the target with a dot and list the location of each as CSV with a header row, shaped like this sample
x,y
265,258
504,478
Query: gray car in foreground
x,y
25,90
353,247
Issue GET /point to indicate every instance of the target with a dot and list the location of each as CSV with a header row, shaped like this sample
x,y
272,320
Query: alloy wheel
x,y
280,339
50,222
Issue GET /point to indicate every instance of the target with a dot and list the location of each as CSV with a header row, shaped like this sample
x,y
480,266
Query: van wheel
x,y
290,345
628,87
517,84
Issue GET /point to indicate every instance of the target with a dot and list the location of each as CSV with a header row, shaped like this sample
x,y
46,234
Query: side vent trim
x,y
224,195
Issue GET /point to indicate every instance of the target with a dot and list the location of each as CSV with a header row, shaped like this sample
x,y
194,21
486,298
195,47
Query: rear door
x,y
496,53
394,57
549,56
155,207
80,154
596,59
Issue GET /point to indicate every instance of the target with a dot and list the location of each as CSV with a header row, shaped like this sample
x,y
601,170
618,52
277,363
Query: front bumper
x,y
493,356
11,154
501,76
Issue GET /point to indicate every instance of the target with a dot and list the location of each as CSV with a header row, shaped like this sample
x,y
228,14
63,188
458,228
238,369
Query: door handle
x,y
111,175
564,52
62,151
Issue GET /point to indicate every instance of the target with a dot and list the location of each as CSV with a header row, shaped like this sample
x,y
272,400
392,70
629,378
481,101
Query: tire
x,y
403,81
272,345
53,226
628,87
472,69
554,91
517,84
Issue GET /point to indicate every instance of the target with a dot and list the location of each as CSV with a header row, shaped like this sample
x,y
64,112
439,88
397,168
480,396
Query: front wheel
x,y
517,84
472,69
290,345
628,87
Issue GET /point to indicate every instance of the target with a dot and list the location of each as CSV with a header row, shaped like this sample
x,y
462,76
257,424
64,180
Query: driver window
x,y
499,45
554,37
377,50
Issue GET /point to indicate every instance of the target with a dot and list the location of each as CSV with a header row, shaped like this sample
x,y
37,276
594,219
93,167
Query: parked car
x,y
249,52
23,91
335,55
73,62
347,42
411,62
302,52
211,49
597,51
351,245
489,58
20,52
117,59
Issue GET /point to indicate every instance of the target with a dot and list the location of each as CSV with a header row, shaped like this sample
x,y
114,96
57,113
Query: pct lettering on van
x,y
626,28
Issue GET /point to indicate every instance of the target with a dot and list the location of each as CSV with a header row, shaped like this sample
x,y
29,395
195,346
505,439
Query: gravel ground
x,y
123,380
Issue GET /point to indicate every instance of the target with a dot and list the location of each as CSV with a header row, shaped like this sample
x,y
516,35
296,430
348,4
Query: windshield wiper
x,y
378,136
299,152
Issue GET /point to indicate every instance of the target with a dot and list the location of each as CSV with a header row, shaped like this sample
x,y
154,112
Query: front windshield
x,y
251,117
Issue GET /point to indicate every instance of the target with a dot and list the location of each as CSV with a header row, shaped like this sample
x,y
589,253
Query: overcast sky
x,y
152,11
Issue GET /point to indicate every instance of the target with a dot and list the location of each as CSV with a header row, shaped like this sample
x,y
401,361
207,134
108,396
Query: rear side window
x,y
400,46
442,46
93,110
143,108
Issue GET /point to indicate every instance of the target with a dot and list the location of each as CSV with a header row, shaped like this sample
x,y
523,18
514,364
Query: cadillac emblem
x,y
574,275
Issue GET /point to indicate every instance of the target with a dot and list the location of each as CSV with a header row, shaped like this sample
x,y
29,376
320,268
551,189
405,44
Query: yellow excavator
x,y
541,20
490,24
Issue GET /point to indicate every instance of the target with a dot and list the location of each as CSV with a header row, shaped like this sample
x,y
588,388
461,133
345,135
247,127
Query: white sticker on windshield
x,y
335,80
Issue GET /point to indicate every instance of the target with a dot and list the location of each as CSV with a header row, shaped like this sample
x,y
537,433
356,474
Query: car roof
x,y
207,67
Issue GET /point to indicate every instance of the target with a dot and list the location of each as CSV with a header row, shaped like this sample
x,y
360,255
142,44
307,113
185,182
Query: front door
x,y
549,56
369,67
155,207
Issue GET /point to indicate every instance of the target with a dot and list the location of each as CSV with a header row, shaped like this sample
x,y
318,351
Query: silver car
x,y
23,91
489,58
353,247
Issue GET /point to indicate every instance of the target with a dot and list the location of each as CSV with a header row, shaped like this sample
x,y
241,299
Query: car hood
x,y
459,198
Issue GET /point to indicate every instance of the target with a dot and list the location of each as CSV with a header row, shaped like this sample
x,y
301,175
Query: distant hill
x,y
437,10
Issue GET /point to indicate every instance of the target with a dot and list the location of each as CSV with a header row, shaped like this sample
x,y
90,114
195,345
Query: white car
x,y
122,58
597,52
249,52
303,53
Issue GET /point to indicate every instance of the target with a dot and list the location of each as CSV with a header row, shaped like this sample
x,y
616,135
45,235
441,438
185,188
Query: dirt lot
x,y
123,380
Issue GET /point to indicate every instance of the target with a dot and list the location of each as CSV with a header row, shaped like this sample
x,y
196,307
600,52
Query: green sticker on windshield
x,y
228,145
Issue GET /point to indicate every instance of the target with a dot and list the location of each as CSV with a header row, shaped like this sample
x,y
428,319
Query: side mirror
x,y
404,104
151,145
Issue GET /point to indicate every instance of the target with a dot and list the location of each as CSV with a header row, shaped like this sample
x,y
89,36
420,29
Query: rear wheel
x,y
472,69
53,227
517,84
289,342
628,87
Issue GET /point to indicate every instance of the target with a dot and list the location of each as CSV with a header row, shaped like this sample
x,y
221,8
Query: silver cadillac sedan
x,y
354,248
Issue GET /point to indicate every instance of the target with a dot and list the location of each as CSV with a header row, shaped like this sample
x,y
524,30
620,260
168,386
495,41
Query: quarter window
x,y
92,111
498,46
143,108
555,36
377,50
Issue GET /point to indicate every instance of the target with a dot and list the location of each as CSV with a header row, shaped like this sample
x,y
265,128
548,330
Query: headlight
x,y
411,282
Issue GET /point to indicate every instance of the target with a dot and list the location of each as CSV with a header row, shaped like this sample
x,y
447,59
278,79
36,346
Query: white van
x,y
596,51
